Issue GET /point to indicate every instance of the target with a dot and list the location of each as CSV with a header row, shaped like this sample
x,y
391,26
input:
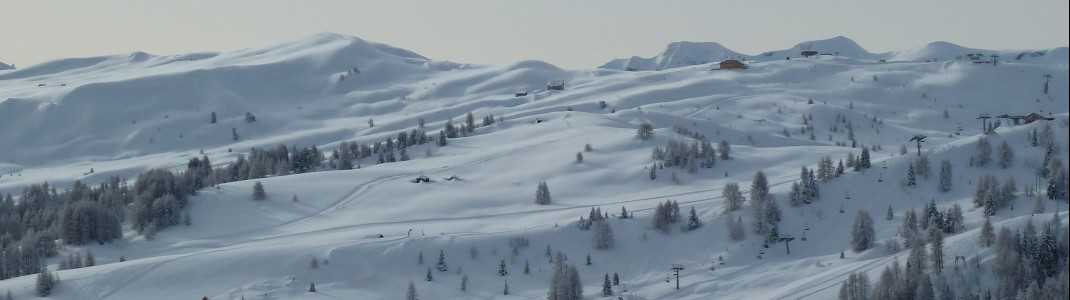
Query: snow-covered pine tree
x,y
911,180
464,282
442,267
501,269
945,175
645,131
1006,155
311,287
430,277
863,160
890,214
469,122
724,149
862,232
411,294
984,152
692,220
542,193
607,287
46,282
258,191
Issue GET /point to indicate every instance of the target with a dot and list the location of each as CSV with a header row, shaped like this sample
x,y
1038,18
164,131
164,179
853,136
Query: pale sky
x,y
570,34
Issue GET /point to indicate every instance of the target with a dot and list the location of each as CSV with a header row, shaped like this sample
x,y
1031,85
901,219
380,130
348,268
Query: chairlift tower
x,y
984,122
676,271
920,138
1047,77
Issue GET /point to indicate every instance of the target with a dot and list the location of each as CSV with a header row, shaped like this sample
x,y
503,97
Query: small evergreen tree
x,y
258,191
984,152
429,277
1006,155
607,287
579,157
945,175
501,269
645,131
46,282
411,294
464,282
542,194
505,291
312,287
442,261
911,180
692,220
213,119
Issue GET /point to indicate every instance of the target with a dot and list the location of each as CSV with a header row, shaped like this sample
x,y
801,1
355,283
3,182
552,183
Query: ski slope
x,y
124,114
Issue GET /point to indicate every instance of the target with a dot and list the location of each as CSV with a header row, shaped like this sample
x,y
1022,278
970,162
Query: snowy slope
x,y
5,66
240,248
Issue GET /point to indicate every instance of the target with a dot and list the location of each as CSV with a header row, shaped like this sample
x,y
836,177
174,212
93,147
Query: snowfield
x,y
87,119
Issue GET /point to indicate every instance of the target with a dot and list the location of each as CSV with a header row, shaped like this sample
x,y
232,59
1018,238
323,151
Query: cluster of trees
x,y
933,220
565,281
991,195
1032,264
30,229
665,214
686,156
766,212
806,192
595,215
74,261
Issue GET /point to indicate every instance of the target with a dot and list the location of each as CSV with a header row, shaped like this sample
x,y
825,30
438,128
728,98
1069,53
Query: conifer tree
x,y
501,269
945,175
862,232
603,235
607,287
429,277
692,220
1006,155
312,287
542,193
984,152
411,294
442,261
258,191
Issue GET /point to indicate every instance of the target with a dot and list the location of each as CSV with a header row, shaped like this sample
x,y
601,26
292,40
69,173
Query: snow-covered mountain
x,y
680,54
677,54
839,45
4,66
87,119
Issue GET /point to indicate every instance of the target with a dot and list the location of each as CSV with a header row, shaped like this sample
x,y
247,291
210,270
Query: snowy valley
x,y
380,172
